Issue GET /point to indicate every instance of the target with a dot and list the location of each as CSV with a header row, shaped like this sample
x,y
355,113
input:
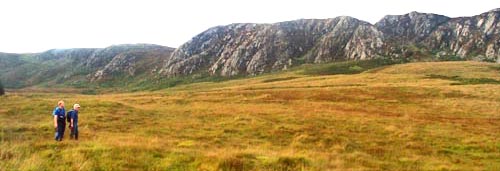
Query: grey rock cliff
x,y
466,37
258,48
250,49
469,36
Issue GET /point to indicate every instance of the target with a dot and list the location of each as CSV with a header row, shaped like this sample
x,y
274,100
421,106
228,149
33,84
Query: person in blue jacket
x,y
72,117
59,120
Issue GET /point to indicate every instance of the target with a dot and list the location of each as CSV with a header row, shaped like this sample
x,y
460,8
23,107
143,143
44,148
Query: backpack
x,y
68,116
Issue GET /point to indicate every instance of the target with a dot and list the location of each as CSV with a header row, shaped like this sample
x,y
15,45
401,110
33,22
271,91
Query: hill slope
x,y
417,116
78,67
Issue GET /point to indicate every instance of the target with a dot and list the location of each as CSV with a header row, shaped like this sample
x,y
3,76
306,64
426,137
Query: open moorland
x,y
416,116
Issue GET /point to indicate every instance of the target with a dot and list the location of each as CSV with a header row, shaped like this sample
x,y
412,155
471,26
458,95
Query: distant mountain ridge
x,y
252,49
258,48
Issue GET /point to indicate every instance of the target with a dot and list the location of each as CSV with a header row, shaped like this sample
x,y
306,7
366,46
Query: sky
x,y
39,25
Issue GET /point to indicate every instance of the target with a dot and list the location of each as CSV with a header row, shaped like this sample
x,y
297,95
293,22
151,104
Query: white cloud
x,y
35,25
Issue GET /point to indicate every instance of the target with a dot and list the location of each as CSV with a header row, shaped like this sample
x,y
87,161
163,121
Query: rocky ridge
x,y
251,49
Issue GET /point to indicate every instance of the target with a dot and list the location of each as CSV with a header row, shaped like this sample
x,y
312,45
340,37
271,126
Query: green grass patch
x,y
279,79
464,81
348,67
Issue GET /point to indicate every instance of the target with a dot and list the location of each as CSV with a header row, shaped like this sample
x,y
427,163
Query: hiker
x,y
59,120
72,118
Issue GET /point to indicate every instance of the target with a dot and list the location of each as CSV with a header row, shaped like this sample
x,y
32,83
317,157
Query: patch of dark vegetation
x,y
238,163
279,79
464,81
348,67
162,83
124,83
290,164
89,92
451,58
496,67
2,91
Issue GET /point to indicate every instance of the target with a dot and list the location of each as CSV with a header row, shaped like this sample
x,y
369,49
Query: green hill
x,y
83,68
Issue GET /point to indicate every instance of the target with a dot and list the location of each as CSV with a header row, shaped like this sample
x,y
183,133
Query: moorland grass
x,y
393,118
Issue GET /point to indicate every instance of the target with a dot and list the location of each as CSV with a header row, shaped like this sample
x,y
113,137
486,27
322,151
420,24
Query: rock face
x,y
409,28
70,66
469,36
128,60
474,37
251,49
259,48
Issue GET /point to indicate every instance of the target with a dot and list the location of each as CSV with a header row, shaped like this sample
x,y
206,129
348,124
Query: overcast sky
x,y
39,25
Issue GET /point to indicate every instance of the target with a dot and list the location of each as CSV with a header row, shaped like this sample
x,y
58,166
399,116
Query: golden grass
x,y
392,118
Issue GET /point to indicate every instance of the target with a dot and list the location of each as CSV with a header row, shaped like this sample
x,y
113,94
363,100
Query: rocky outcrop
x,y
475,37
469,36
128,60
409,28
250,49
258,48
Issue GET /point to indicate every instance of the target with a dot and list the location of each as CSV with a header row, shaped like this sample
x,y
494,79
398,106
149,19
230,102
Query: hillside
x,y
416,116
249,49
118,64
